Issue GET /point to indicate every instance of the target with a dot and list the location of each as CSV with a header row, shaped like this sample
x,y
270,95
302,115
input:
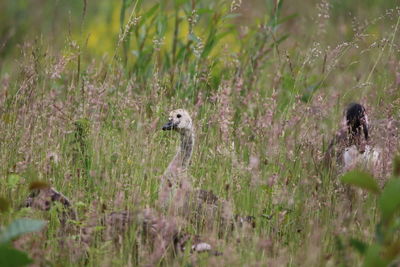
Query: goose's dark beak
x,y
168,126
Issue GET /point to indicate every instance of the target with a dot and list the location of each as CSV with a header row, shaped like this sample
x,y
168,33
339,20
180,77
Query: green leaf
x,y
161,26
358,245
11,257
280,40
19,227
373,258
282,20
122,13
389,201
211,41
362,180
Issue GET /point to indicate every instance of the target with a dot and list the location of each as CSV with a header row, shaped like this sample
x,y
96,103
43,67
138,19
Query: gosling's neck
x,y
181,161
185,149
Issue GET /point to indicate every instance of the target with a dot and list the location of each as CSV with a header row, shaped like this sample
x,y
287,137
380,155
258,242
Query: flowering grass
x,y
266,91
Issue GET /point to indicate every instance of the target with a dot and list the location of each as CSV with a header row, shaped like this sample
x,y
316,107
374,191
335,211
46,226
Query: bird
x,y
351,147
176,194
175,183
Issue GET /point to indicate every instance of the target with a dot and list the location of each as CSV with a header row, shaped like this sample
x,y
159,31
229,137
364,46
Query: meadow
x,y
85,87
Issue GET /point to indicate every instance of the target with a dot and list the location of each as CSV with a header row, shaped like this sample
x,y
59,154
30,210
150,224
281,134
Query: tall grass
x,y
266,92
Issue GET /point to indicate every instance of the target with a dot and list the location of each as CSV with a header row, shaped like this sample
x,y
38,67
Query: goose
x,y
175,185
176,193
352,146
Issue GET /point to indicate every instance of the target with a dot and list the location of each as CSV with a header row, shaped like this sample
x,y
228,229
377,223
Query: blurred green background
x,y
97,24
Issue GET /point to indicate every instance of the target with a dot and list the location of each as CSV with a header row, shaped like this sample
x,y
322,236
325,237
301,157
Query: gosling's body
x,y
176,194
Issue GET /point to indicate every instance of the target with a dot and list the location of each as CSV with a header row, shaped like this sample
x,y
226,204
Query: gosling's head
x,y
357,120
179,120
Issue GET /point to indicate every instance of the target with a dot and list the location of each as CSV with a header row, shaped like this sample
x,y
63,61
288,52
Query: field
x,y
86,86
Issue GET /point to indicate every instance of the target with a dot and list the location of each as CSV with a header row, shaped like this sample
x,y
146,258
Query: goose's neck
x,y
182,158
185,149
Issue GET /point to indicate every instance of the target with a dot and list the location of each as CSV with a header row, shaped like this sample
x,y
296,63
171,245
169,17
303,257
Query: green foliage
x,y
360,246
9,256
389,201
386,246
20,227
373,257
361,179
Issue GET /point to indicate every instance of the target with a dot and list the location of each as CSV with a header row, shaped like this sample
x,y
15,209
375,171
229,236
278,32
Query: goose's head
x,y
357,120
179,120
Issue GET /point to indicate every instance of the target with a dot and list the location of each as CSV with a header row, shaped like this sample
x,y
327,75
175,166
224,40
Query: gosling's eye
x,y
179,115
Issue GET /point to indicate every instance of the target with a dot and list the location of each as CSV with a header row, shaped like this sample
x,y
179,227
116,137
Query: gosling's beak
x,y
168,126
